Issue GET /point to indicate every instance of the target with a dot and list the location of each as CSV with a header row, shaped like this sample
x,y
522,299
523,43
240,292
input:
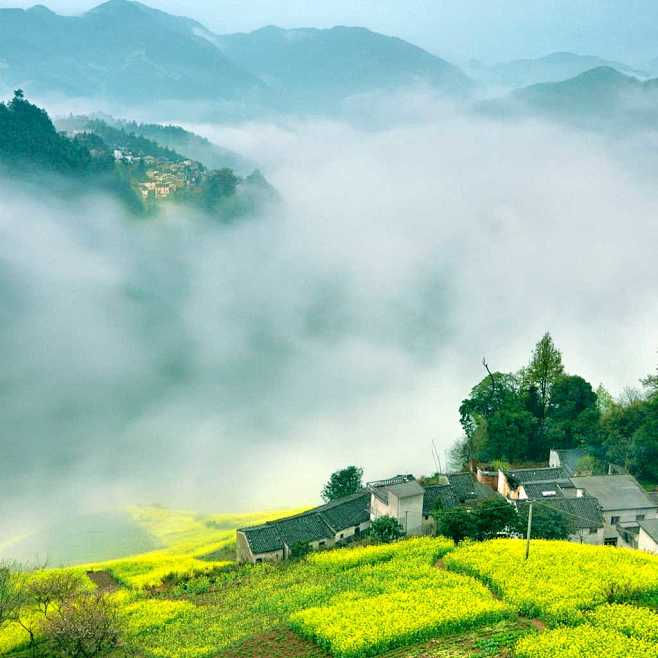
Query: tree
x,y
495,517
457,523
343,483
12,592
386,529
543,370
547,523
650,382
300,550
83,627
643,449
573,413
496,421
46,588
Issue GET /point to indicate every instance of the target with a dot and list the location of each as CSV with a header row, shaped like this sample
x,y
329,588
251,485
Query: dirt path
x,y
104,581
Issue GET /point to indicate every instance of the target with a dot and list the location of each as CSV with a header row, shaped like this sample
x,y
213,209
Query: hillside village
x,y
607,510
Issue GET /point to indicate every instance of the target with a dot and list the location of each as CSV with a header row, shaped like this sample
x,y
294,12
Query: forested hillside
x,y
138,171
518,417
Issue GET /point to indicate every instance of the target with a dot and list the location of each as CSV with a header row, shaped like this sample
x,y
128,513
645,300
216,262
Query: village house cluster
x,y
612,510
163,178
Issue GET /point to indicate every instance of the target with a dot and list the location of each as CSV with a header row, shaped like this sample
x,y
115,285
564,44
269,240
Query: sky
x,y
489,30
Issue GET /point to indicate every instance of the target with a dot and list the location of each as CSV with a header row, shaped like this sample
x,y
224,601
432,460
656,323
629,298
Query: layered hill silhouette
x,y
601,98
129,52
554,67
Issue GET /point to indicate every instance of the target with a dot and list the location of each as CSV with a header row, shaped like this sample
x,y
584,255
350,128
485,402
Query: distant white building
x,y
648,536
624,503
400,497
342,521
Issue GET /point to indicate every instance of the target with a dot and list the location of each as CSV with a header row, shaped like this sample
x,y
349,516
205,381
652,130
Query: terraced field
x,y
389,601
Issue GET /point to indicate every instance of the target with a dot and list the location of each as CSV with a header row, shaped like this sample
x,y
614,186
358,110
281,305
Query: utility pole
x,y
527,542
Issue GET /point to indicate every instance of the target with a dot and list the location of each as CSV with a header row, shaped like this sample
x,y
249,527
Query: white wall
x,y
410,514
646,543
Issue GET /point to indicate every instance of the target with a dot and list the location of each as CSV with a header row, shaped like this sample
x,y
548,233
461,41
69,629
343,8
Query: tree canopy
x,y
519,417
343,483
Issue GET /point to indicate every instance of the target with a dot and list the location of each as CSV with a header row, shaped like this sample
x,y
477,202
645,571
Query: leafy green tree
x,y
343,483
542,372
386,529
643,448
496,421
457,523
299,550
573,413
650,382
495,517
547,523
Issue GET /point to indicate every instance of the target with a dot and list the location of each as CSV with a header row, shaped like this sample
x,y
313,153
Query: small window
x,y
610,541
322,543
639,517
357,530
614,519
341,535
259,560
593,531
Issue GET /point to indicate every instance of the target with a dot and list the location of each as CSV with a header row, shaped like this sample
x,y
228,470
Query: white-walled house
x,y
624,504
648,536
400,497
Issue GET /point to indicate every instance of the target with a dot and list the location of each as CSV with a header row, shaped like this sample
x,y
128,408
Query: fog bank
x,y
233,368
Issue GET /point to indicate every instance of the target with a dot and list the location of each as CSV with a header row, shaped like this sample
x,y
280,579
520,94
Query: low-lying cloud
x,y
235,367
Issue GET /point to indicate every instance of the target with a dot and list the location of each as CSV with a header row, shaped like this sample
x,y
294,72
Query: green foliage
x,y
495,517
519,418
573,413
547,523
343,483
457,523
30,144
124,139
491,518
386,529
300,550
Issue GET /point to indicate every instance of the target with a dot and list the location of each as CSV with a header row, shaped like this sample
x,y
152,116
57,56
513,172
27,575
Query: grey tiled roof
x,y
616,492
405,489
303,529
317,524
346,512
263,539
466,487
541,489
583,512
442,494
523,475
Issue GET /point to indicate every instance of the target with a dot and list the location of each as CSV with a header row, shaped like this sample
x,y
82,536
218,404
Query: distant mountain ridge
x,y
601,98
328,64
554,67
126,51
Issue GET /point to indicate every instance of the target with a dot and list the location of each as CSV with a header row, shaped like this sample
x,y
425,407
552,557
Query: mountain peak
x,y
604,74
119,7
41,9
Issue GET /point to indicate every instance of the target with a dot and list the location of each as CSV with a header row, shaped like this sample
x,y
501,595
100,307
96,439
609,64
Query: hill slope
x,y
120,50
600,99
128,52
554,67
309,66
